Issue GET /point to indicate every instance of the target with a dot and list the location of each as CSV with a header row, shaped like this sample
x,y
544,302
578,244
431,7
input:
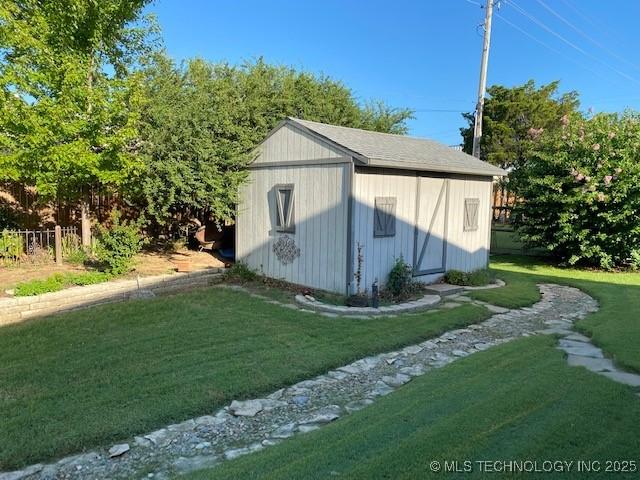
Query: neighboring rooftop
x,y
399,151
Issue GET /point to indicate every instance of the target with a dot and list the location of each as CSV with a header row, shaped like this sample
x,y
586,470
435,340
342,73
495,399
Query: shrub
x,y
580,191
117,245
59,281
240,272
455,277
357,300
11,246
36,287
87,278
400,282
72,250
476,278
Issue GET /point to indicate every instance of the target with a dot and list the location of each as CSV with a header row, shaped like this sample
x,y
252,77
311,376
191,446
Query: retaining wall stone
x,y
16,309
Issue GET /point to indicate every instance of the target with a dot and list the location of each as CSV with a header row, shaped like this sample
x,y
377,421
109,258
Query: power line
x,y
550,48
587,36
587,18
571,44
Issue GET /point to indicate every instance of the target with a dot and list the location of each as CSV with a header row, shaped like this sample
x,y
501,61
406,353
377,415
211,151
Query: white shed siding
x,y
468,251
380,253
321,198
465,250
291,144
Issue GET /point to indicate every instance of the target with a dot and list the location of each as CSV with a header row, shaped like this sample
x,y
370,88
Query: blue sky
x,y
423,54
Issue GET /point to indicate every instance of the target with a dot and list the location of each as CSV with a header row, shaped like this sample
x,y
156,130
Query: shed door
x,y
430,237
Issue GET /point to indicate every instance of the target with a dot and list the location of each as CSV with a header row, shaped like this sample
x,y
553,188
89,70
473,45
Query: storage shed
x,y
322,200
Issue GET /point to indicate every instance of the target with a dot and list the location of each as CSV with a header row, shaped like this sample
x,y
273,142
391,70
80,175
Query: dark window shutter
x,y
384,217
285,206
471,214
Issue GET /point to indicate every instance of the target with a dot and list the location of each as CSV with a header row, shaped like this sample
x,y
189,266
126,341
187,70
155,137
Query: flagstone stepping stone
x,y
585,350
381,389
308,428
300,400
496,309
413,371
555,331
160,437
248,408
285,431
565,342
238,452
190,464
396,380
444,289
118,449
593,364
412,350
356,405
578,337
324,415
631,379
270,442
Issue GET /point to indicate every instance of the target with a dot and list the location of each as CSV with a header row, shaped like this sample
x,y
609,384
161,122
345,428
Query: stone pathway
x,y
247,426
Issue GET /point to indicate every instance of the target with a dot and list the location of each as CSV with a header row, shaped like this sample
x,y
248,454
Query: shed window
x,y
285,203
471,214
384,217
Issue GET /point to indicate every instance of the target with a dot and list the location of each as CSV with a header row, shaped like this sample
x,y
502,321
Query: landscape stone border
x,y
496,284
17,309
247,426
427,301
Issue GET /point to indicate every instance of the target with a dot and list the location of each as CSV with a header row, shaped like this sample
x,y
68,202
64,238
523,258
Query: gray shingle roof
x,y
399,151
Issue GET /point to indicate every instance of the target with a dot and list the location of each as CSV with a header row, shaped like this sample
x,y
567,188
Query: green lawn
x,y
514,402
95,376
615,327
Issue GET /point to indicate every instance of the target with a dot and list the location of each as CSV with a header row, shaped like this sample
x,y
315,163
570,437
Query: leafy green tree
x,y
67,102
511,114
580,191
201,121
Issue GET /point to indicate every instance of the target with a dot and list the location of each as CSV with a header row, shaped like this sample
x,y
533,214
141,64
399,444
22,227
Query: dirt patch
x,y
10,276
147,264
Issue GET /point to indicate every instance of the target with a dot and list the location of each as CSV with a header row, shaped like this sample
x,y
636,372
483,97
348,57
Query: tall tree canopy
x,y
67,101
201,121
513,115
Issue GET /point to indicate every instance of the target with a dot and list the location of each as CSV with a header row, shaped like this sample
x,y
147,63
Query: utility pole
x,y
482,87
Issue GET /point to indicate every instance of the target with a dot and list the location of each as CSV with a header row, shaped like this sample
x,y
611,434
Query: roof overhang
x,y
418,166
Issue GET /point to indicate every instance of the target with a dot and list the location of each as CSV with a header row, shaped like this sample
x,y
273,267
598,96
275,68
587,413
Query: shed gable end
x,y
291,144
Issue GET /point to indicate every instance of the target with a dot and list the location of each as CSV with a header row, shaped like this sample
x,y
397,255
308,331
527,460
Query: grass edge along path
x,y
615,327
517,401
85,379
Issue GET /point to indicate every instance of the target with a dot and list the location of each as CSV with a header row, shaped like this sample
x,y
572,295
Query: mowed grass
x,y
96,376
519,401
615,327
